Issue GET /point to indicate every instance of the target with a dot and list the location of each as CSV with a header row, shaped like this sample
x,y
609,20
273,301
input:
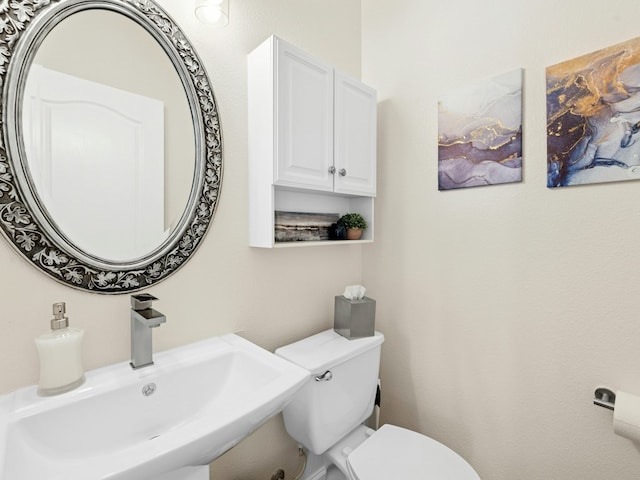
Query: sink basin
x,y
191,406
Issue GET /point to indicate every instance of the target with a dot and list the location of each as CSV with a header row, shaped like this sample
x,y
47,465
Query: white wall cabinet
x,y
312,140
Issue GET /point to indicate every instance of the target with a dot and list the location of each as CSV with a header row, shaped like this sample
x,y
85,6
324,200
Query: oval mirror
x,y
112,156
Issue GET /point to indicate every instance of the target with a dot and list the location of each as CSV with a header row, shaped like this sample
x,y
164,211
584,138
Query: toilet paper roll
x,y
626,416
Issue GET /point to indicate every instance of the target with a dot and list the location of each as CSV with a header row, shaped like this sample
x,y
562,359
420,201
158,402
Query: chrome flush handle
x,y
325,377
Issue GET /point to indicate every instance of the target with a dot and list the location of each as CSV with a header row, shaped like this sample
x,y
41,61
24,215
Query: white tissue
x,y
626,416
354,292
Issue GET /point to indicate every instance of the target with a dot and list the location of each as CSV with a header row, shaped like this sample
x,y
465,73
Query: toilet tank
x,y
325,410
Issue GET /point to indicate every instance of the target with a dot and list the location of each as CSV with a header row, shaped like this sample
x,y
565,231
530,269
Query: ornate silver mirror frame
x,y
26,224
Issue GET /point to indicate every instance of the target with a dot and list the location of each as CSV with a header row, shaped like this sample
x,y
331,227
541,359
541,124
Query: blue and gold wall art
x,y
480,133
593,117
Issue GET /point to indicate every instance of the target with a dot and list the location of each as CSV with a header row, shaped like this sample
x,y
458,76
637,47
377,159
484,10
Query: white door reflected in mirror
x,y
74,130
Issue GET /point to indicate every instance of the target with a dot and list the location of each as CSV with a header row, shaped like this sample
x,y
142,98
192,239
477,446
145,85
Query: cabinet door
x,y
355,136
304,111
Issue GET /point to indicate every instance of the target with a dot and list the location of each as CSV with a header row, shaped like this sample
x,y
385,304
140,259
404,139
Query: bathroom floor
x,y
334,474
331,473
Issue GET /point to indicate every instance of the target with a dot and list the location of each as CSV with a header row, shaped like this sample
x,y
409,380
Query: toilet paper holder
x,y
604,397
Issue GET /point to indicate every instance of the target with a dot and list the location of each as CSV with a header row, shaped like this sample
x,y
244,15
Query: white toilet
x,y
326,417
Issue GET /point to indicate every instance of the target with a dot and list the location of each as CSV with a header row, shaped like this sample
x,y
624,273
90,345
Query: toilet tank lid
x,y
327,349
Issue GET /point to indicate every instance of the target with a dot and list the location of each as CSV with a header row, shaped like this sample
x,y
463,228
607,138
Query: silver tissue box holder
x,y
354,318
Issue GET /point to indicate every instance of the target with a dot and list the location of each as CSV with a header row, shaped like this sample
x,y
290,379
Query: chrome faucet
x,y
143,319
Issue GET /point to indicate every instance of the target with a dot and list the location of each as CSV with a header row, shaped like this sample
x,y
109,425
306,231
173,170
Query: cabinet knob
x,y
332,170
343,172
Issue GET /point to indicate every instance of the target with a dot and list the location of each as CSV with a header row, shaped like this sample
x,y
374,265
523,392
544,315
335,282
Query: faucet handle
x,y
142,301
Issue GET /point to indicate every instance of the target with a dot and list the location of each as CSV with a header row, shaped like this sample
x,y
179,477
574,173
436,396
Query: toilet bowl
x,y
326,418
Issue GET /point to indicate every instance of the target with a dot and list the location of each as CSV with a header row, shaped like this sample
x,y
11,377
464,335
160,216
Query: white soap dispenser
x,y
60,355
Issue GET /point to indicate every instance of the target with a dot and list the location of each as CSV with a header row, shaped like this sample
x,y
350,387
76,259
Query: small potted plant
x,y
354,223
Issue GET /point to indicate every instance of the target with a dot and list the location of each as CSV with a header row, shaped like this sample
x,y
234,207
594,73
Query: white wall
x,y
505,306
273,296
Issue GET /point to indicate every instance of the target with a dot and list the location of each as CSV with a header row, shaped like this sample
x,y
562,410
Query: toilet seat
x,y
395,452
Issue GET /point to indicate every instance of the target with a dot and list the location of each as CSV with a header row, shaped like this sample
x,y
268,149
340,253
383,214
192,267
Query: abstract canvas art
x,y
480,133
593,117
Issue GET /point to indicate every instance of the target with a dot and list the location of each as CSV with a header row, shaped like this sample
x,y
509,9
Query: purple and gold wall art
x,y
593,117
480,133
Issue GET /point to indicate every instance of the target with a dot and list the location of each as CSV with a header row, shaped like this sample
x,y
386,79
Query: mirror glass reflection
x,y
108,135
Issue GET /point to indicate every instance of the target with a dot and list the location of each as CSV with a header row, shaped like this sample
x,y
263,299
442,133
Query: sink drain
x,y
149,389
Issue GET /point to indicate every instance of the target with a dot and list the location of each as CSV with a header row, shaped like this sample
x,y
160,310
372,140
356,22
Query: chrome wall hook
x,y
604,397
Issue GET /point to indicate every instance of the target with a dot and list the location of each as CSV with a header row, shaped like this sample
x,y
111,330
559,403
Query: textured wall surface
x,y
504,306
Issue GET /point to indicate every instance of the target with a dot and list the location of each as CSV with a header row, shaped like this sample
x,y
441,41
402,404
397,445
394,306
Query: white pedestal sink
x,y
187,409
